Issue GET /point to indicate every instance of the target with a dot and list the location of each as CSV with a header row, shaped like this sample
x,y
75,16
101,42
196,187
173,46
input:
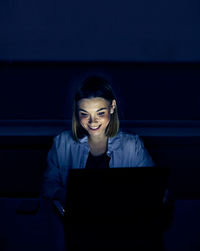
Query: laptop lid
x,y
116,192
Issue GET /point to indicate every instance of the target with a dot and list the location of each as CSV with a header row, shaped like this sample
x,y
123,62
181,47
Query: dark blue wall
x,y
100,30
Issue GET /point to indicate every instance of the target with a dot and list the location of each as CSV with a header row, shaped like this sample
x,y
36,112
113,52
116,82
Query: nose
x,y
92,119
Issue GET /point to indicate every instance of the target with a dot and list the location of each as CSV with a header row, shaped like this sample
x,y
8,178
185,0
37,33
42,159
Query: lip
x,y
94,128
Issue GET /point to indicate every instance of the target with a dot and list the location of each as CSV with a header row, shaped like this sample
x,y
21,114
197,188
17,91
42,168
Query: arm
x,y
52,187
168,209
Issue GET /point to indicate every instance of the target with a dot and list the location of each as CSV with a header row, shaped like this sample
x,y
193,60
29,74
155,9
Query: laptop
x,y
116,194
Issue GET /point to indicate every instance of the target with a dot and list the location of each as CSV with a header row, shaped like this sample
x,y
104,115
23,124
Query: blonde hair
x,y
93,87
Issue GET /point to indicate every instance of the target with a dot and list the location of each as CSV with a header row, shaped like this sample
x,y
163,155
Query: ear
x,y
113,105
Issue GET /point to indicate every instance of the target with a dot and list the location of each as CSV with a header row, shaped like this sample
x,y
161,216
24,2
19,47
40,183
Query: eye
x,y
100,113
83,114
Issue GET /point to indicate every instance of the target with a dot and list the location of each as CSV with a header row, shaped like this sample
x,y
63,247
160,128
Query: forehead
x,y
93,104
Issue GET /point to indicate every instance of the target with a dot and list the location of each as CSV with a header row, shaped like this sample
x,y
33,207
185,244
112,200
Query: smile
x,y
94,128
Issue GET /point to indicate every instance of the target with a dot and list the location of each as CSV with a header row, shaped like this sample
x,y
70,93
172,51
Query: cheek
x,y
106,119
82,121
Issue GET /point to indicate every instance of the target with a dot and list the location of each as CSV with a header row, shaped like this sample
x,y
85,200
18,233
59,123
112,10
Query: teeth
x,y
94,127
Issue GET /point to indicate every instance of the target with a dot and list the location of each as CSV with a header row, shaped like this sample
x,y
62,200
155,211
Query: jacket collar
x,y
113,143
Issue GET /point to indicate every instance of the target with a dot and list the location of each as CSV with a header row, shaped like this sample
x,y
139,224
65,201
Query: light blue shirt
x,y
124,150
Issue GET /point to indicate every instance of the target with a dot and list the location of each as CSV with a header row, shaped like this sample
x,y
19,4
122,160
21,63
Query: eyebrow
x,y
103,108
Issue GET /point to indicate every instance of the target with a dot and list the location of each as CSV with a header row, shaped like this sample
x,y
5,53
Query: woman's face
x,y
94,115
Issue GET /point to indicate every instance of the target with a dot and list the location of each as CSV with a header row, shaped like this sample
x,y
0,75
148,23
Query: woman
x,y
95,140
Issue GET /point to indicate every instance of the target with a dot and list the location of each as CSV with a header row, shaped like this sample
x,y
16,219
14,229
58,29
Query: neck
x,y
96,140
98,145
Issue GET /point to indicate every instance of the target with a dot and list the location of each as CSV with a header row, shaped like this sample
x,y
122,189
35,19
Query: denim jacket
x,y
124,150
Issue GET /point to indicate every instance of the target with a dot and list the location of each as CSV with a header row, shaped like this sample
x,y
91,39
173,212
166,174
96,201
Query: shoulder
x,y
131,141
123,140
64,138
126,137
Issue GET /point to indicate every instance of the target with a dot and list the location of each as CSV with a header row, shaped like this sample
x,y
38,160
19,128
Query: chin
x,y
91,132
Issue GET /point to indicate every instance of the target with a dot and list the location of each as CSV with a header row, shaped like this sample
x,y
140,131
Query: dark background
x,y
144,31
148,50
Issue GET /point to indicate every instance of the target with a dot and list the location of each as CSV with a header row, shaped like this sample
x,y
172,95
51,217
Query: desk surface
x,y
40,231
44,230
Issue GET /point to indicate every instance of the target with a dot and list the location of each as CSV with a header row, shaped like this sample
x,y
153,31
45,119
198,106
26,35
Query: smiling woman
x,y
95,104
95,140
